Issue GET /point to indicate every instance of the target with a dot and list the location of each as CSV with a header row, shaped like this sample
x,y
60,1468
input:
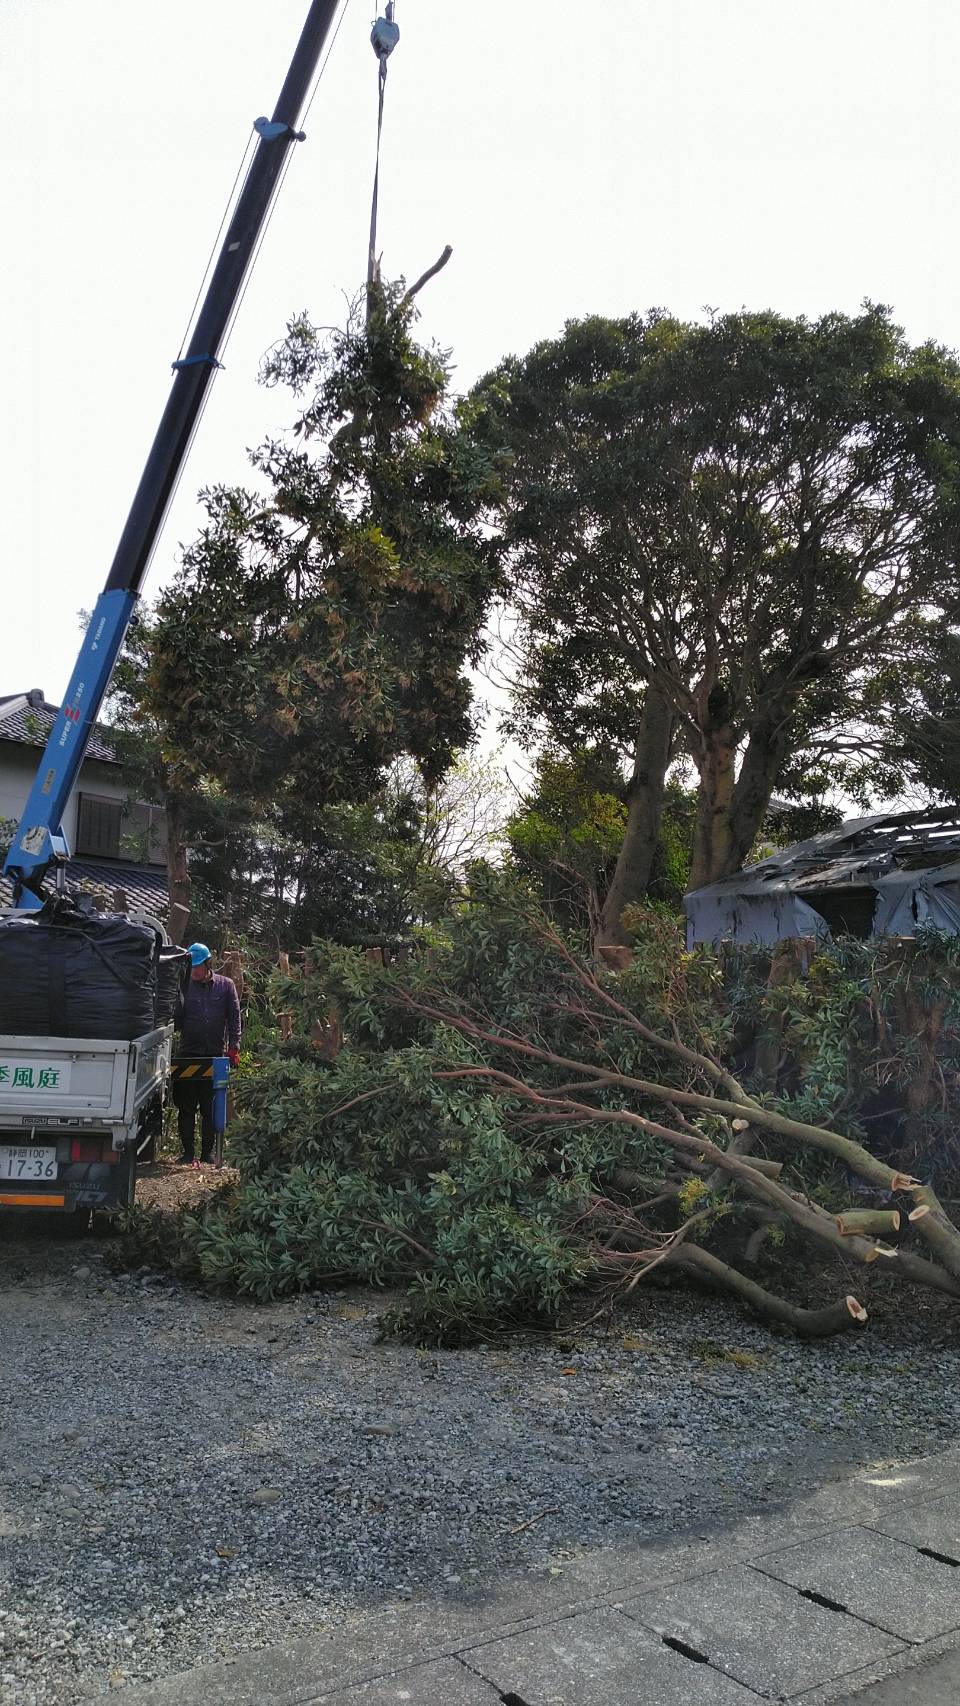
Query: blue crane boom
x,y
39,843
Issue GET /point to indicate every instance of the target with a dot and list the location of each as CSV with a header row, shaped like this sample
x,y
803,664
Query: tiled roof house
x,y
114,844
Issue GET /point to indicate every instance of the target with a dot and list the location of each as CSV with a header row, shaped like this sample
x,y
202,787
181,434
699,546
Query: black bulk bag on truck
x,y
67,973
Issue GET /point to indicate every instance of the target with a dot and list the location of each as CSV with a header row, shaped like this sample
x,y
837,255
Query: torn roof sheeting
x,y
874,876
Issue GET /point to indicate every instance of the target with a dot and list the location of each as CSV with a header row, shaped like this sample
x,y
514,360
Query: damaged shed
x,y
874,876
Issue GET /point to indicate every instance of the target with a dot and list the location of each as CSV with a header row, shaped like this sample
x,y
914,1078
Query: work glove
x,y
233,1055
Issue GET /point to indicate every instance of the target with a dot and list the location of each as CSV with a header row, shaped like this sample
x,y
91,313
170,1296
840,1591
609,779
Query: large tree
x,y
721,538
320,624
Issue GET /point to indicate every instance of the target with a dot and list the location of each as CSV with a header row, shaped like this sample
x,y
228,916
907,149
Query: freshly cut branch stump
x,y
868,1222
177,921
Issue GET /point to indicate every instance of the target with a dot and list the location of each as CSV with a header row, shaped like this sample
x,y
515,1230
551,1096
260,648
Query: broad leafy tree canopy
x,y
743,516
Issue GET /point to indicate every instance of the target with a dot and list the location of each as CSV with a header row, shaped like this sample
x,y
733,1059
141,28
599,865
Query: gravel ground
x,y
182,1477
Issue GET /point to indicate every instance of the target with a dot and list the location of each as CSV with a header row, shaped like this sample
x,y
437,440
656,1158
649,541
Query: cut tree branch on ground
x,y
936,1228
806,1215
631,1247
837,1317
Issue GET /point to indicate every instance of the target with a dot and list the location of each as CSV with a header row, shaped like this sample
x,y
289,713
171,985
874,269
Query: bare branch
x,y
425,277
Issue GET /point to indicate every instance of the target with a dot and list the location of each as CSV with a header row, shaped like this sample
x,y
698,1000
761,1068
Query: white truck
x,y
76,1115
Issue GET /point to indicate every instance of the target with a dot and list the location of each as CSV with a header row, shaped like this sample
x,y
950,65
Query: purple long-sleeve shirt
x,y
211,1016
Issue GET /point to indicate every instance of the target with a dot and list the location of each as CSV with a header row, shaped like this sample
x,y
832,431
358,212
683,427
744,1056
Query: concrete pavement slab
x,y
359,1650
600,1658
400,1634
934,1523
934,1684
446,1683
924,1475
761,1632
883,1581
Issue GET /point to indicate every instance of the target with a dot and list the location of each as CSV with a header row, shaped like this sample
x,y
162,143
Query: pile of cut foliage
x,y
508,1128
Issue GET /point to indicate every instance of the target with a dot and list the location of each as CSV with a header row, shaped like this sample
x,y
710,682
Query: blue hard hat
x,y
199,952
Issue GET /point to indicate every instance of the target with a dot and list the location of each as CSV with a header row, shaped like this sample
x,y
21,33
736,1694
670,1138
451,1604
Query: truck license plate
x,y
30,1162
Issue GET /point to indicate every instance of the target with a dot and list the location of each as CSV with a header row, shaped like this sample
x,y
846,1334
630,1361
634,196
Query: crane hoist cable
x,y
384,36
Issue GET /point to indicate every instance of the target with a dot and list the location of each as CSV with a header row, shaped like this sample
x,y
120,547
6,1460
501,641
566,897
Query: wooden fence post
x,y
232,967
326,1036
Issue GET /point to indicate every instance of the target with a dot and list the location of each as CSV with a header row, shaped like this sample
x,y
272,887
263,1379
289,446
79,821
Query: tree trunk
x,y
789,963
645,805
731,808
761,765
712,843
178,877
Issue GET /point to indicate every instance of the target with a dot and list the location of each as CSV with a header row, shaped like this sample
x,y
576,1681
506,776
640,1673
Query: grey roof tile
x,y
29,725
144,885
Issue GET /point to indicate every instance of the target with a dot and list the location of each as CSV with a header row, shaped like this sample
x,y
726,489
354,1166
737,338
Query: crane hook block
x,y
384,37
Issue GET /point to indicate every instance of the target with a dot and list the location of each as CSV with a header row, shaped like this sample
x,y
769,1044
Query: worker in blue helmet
x,y
209,1024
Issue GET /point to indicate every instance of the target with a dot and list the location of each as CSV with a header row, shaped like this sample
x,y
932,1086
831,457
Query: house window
x,y
98,826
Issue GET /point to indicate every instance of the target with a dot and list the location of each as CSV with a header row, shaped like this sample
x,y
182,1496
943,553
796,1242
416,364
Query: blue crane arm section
x,y
39,841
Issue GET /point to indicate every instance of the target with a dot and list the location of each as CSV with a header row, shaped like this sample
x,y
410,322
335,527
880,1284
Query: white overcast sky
x,y
579,157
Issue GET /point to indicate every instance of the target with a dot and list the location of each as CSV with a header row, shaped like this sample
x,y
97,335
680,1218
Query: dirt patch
x,y
169,1187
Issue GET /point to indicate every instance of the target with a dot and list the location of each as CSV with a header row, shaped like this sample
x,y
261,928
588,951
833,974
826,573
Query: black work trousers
x,y
191,1095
